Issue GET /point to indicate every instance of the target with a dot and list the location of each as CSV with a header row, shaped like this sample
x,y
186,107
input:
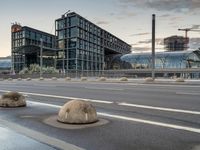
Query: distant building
x,y
86,46
25,46
176,43
5,65
79,45
163,60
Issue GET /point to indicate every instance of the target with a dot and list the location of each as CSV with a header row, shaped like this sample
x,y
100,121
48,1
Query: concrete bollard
x,y
101,79
123,79
28,79
54,78
77,112
180,80
83,78
149,79
12,99
67,79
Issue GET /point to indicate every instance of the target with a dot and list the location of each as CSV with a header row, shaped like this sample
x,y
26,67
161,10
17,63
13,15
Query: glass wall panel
x,y
72,43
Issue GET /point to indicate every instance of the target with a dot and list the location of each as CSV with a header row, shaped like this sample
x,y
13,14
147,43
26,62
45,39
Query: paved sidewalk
x,y
11,140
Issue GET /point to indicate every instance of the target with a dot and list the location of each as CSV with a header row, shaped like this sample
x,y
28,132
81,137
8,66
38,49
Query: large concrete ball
x,y
83,78
102,79
41,79
28,79
77,112
54,78
12,99
149,79
67,79
180,80
123,79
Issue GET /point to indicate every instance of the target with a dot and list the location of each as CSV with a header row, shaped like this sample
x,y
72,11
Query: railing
x,y
132,73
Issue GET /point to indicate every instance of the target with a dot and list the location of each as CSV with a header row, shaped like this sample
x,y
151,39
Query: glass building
x,y
26,43
85,46
5,65
163,60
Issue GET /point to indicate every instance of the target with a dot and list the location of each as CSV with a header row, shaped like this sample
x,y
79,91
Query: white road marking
x,y
167,125
62,97
161,108
96,88
186,93
168,85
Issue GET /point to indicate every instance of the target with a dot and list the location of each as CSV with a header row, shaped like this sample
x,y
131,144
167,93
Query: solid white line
x,y
195,130
173,126
186,93
161,108
63,97
95,88
169,85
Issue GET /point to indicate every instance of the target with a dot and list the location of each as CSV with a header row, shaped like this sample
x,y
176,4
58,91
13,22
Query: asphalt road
x,y
141,116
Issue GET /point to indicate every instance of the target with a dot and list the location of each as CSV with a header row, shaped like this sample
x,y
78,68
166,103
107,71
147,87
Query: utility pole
x,y
153,46
41,59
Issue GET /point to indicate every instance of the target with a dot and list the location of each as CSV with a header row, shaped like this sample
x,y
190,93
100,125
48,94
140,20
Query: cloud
x,y
195,26
145,48
102,22
123,14
158,41
165,16
139,34
165,5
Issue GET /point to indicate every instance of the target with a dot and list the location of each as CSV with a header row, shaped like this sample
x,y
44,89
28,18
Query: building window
x,y
73,21
72,42
73,32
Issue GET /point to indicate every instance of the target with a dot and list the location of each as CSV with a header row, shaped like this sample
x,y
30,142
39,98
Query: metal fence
x,y
130,73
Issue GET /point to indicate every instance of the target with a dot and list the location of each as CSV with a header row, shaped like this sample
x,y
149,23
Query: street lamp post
x,y
41,59
153,46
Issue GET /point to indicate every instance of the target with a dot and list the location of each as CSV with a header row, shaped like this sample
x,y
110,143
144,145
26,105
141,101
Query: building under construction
x,y
176,43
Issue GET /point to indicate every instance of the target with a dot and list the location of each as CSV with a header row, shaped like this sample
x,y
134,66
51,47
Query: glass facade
x,y
85,44
164,60
26,45
5,64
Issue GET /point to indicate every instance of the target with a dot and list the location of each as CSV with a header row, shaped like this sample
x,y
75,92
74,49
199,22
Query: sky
x,y
130,20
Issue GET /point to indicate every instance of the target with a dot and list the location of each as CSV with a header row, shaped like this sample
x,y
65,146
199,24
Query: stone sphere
x,y
77,112
67,79
12,99
149,79
19,79
102,79
54,78
180,80
41,78
10,79
83,78
28,79
123,79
